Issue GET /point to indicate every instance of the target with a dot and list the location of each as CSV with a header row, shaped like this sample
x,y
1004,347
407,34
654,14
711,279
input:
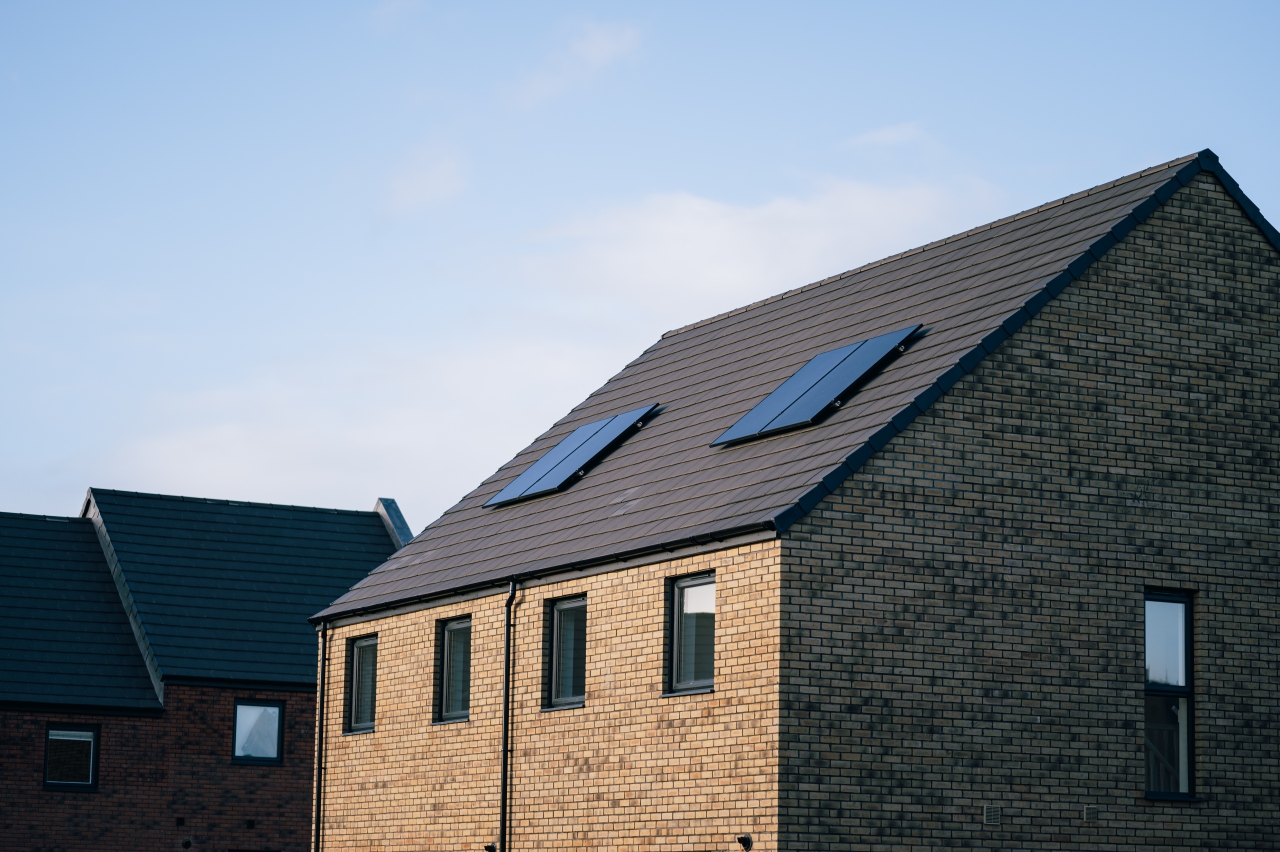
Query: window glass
x,y
1168,755
69,757
695,631
1166,643
455,703
569,664
364,683
1167,723
258,731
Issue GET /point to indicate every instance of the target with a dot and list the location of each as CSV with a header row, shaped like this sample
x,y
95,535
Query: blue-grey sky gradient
x,y
321,253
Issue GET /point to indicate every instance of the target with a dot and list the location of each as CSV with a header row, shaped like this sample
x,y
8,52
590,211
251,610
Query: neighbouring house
x,y
157,686
973,547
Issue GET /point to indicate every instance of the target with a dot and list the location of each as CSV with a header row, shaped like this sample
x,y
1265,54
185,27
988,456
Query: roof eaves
x,y
1205,161
671,546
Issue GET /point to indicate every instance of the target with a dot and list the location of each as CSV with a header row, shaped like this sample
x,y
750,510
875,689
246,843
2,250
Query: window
x,y
257,732
455,670
1168,728
71,758
362,680
569,652
693,634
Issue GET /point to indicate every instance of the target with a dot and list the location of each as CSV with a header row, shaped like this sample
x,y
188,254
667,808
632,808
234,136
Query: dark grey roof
x,y
223,589
667,486
66,637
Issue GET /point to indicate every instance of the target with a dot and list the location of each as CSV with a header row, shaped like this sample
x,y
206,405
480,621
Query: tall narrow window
x,y
455,677
363,684
693,634
1168,729
71,758
569,652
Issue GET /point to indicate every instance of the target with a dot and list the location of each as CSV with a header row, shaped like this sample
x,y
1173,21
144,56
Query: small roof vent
x,y
394,521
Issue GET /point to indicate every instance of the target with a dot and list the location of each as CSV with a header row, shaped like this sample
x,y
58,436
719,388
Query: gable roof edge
x,y
1205,161
90,511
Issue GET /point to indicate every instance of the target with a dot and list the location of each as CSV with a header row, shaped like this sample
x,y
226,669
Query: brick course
x,y
628,770
963,619
959,625
154,769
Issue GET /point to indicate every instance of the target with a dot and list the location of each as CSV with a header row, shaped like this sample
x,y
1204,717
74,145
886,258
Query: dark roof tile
x,y
968,291
224,588
66,637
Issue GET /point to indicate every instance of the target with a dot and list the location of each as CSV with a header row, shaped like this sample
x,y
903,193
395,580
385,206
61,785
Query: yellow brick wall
x,y
629,770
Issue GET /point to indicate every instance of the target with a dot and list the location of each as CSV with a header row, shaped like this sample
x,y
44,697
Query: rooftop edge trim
x,y
1054,285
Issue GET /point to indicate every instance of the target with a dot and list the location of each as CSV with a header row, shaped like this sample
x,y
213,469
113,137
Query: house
x,y
972,547
157,689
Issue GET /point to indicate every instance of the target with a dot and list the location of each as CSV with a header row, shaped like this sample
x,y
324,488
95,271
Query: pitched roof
x,y
222,589
667,486
66,637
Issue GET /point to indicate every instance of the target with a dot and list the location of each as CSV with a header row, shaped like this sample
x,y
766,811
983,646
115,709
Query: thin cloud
x,y
427,178
594,48
678,257
893,136
388,14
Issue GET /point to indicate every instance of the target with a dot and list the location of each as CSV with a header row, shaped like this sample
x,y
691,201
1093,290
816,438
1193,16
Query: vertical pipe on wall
x,y
506,719
324,669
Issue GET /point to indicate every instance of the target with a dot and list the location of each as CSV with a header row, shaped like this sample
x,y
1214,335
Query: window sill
x,y
1172,797
701,690
452,721
71,788
357,733
252,761
567,706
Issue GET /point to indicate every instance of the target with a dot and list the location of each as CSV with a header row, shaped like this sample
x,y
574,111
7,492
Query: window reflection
x,y
1166,643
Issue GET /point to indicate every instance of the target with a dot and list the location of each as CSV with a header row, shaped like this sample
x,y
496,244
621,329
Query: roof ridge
x,y
918,249
30,517
224,502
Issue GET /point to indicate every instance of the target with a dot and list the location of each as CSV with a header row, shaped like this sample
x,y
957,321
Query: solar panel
x,y
562,465
815,389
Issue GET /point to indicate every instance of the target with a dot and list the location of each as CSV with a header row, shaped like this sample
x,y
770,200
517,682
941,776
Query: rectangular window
x,y
1168,724
71,758
455,675
362,680
569,652
257,732
693,634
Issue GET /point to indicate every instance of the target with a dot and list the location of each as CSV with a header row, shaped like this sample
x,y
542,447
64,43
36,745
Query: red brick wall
x,y
153,770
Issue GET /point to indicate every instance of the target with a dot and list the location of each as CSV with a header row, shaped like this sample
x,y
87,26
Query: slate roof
x,y
223,588
666,486
66,637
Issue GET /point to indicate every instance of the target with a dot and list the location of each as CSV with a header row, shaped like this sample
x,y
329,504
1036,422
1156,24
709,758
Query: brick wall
x,y
963,620
628,770
153,770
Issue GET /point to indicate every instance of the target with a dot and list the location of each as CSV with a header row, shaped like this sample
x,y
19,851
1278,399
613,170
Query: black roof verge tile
x,y
970,291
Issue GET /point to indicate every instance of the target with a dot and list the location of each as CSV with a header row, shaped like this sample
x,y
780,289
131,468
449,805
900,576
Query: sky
x,y
321,253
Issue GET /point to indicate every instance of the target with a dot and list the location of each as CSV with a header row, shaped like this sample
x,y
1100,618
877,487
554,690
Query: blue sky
x,y
321,253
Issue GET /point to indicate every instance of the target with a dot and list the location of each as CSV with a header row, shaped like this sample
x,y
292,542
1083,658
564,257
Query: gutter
x,y
324,671
766,529
506,719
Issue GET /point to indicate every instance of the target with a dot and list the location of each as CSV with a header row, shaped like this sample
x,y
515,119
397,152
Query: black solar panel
x,y
815,388
562,463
